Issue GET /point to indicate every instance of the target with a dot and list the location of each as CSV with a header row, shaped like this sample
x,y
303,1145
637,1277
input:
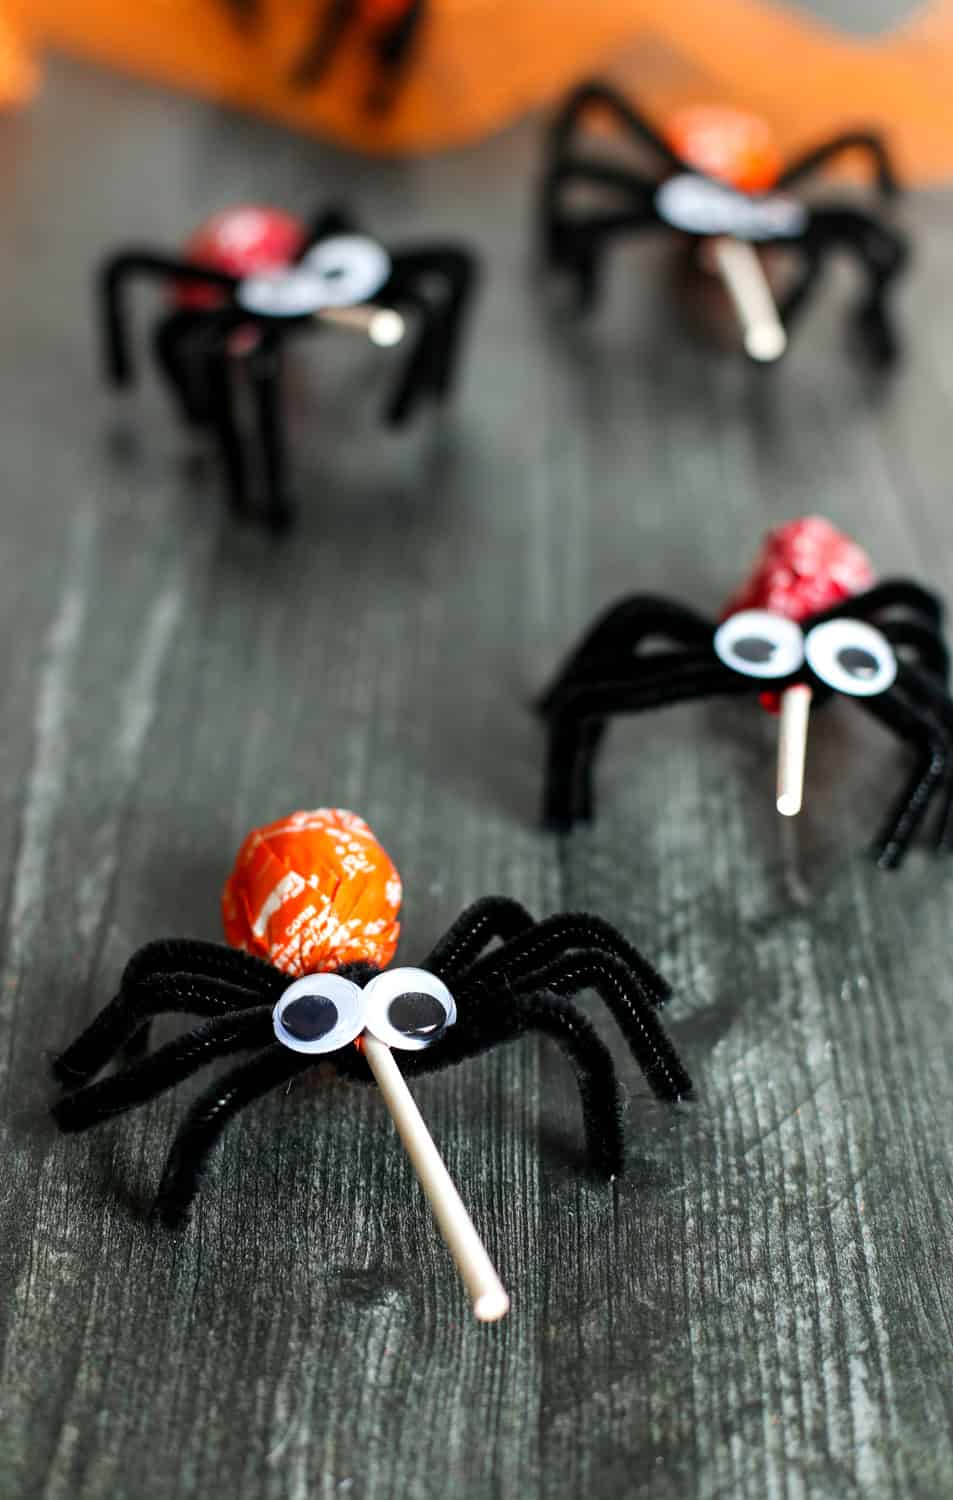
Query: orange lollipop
x,y
312,892
736,147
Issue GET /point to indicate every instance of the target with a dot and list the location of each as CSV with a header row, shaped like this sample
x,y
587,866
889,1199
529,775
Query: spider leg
x,y
113,283
218,365
935,749
170,339
932,694
205,1121
475,928
883,254
930,648
314,62
431,365
595,94
621,631
567,932
888,594
663,679
166,1067
612,981
869,142
128,1014
265,363
201,959
392,49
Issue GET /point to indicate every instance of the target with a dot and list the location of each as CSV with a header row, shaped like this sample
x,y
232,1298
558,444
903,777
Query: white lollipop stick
x,y
384,326
489,1297
743,275
792,748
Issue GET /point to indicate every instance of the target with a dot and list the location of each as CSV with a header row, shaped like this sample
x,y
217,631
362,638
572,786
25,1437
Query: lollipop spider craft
x,y
250,277
810,624
310,910
719,180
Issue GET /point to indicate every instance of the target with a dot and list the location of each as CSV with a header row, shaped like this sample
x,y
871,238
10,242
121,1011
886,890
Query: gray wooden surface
x,y
762,1307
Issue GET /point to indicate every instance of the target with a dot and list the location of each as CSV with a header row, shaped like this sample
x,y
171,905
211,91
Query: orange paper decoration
x,y
18,74
478,64
312,892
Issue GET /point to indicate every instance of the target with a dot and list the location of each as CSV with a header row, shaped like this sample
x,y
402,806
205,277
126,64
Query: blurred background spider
x,y
310,910
386,29
807,625
718,178
250,276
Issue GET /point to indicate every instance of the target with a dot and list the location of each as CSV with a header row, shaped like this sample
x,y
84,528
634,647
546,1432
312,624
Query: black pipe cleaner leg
x,y
933,748
563,933
867,142
165,1068
485,920
205,1121
179,371
127,1014
633,1014
266,384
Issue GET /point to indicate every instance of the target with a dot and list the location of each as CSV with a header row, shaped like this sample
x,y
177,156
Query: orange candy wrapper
x,y
735,147
312,892
18,75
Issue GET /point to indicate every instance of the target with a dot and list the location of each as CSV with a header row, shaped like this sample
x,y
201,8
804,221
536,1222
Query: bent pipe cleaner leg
x,y
622,629
868,142
634,1015
933,748
581,243
113,284
485,920
666,681
938,707
126,1015
888,594
163,1069
557,218
882,255
218,363
594,94
564,933
337,17
265,363
930,648
203,1125
169,343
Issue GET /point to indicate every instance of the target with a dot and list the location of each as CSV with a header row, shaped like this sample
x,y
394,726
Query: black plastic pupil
x,y
756,648
334,273
416,1014
858,662
309,1017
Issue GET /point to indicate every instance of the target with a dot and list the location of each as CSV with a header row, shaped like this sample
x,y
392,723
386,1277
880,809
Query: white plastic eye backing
x,y
292,292
697,205
319,1013
758,643
851,657
408,1008
350,267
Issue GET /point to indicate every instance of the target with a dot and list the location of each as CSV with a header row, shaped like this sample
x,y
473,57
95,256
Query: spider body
x,y
883,647
252,277
318,895
717,175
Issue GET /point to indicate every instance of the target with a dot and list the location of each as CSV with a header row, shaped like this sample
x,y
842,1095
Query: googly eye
x,y
408,1008
350,268
758,643
319,1013
697,205
851,657
291,293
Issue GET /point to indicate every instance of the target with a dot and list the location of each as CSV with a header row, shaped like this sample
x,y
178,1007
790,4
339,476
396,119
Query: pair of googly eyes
x,y
406,1008
850,656
341,271
696,205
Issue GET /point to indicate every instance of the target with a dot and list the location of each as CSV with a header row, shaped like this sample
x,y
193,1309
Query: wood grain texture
x,y
762,1306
